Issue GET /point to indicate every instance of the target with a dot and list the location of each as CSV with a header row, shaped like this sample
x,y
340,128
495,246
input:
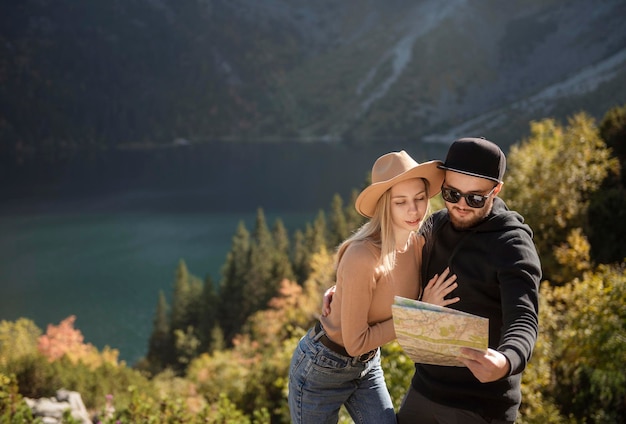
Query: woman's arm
x,y
435,292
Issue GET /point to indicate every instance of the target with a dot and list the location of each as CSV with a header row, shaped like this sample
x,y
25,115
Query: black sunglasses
x,y
473,200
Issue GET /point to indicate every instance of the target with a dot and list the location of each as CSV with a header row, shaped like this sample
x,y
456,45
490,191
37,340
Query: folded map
x,y
431,334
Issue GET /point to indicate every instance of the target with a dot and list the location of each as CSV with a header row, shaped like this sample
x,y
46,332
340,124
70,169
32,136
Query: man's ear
x,y
498,188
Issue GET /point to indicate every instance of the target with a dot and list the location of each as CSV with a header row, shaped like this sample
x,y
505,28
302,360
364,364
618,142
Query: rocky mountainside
x,y
120,73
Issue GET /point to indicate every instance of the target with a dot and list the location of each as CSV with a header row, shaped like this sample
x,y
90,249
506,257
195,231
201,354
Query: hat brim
x,y
366,201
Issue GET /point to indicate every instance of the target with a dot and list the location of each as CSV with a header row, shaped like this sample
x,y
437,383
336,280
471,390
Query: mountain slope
x,y
476,58
104,74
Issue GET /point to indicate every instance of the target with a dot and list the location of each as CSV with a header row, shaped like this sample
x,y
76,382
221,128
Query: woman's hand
x,y
439,287
328,297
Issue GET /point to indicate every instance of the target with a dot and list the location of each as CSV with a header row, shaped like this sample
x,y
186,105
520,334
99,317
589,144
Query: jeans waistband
x,y
337,348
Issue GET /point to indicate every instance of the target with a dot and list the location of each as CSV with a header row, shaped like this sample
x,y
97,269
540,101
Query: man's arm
x,y
519,281
519,286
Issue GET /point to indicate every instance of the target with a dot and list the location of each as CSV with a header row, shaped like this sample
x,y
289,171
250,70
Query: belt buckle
x,y
368,355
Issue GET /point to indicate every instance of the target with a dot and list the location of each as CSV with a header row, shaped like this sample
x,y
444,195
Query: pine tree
x,y
354,220
316,236
306,245
607,208
179,316
185,316
299,256
159,344
282,262
338,229
195,305
260,284
208,314
232,286
613,132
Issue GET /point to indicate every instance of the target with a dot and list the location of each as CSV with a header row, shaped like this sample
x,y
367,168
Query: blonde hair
x,y
379,231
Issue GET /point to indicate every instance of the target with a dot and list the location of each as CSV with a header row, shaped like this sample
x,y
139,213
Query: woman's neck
x,y
402,241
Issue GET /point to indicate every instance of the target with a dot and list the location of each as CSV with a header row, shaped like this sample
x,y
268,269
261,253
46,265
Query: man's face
x,y
461,215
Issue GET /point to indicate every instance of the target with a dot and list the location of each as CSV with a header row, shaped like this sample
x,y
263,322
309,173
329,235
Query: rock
x,y
50,410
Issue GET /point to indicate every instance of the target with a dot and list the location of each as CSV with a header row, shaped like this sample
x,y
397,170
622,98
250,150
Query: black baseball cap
x,y
477,157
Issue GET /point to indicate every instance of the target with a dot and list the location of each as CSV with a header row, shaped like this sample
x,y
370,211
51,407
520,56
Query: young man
x,y
491,251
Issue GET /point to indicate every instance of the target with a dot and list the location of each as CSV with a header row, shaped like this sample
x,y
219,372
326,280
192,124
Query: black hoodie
x,y
498,273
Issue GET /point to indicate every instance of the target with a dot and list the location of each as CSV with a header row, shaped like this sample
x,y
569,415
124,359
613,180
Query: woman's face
x,y
409,202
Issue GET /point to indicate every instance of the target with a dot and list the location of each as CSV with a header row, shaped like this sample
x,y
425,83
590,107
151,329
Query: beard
x,y
463,218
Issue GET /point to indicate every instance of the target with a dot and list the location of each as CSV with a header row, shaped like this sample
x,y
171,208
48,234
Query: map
x,y
431,334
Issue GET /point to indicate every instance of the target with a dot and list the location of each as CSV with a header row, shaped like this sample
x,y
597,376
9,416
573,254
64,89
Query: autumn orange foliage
x,y
65,340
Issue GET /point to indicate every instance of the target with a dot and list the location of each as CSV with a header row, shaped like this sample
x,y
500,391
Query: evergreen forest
x,y
219,351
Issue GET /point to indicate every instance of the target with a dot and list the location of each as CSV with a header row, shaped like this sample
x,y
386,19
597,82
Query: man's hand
x,y
439,287
486,366
328,297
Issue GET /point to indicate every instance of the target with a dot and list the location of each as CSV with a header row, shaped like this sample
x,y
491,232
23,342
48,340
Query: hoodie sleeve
x,y
519,279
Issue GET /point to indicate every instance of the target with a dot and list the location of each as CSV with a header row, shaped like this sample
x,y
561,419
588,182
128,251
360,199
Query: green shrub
x,y
589,346
13,409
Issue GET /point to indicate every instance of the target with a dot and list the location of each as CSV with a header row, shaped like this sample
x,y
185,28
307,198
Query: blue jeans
x,y
321,381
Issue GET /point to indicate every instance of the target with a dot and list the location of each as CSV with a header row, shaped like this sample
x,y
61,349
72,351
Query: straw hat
x,y
392,168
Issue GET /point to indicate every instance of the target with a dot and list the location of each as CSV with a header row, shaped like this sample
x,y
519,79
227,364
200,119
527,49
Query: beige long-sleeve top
x,y
360,318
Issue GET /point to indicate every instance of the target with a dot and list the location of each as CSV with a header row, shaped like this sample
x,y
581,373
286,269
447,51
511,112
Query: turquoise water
x,y
98,235
108,268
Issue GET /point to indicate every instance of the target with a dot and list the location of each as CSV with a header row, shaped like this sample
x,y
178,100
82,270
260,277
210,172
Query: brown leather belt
x,y
337,348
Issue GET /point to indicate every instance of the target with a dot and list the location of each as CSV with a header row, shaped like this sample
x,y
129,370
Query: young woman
x,y
338,362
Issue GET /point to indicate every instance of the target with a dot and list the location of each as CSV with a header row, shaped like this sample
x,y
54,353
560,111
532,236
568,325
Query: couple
x,y
475,239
